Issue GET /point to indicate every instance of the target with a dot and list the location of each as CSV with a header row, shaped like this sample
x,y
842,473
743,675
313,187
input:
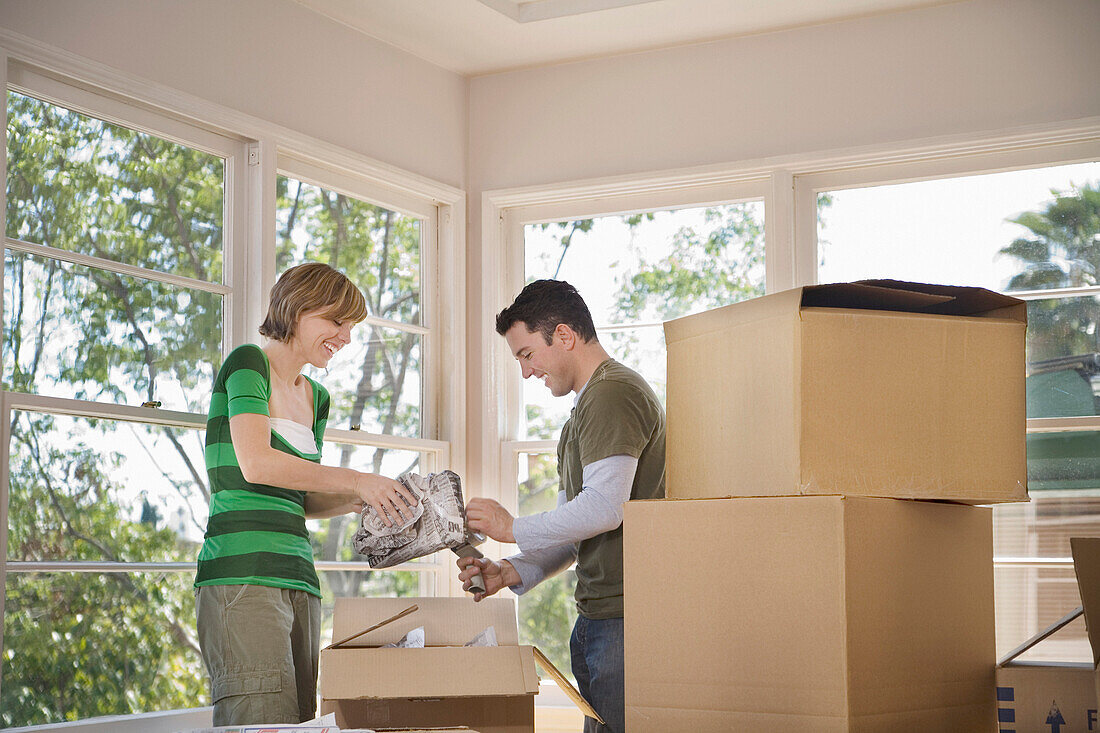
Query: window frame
x,y
253,149
505,214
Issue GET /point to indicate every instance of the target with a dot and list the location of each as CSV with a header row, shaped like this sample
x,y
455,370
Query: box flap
x,y
1054,627
352,673
446,621
910,297
783,304
566,686
399,615
1086,563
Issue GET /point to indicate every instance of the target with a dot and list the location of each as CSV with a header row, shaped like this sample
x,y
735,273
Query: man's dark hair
x,y
542,305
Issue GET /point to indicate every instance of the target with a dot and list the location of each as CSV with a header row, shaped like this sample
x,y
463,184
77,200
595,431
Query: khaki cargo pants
x,y
260,646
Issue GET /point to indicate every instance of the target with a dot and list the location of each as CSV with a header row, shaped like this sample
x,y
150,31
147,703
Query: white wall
x,y
274,60
962,67
953,69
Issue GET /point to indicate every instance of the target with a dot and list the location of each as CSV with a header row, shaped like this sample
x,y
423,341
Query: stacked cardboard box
x,y
818,564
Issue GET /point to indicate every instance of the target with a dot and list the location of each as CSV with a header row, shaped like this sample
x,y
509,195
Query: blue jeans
x,y
596,647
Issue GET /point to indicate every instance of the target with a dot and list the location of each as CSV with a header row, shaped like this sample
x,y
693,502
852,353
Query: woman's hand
x,y
390,499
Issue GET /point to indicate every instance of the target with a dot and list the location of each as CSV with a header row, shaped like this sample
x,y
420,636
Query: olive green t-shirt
x,y
617,413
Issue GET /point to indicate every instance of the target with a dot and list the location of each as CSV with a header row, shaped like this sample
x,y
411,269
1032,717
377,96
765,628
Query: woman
x,y
258,597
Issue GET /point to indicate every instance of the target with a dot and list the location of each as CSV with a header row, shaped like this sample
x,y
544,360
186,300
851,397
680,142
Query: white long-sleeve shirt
x,y
548,540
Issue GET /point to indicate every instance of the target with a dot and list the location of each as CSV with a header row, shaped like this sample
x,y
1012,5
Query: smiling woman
x,y
258,607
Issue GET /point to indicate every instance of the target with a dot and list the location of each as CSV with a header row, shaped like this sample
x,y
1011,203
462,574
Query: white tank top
x,y
295,433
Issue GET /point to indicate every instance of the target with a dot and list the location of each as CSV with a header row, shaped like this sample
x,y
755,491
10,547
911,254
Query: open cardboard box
x,y
1040,697
877,388
489,689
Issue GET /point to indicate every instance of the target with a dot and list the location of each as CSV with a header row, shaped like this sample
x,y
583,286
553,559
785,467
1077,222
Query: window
x,y
1011,212
134,260
1034,233
114,267
377,383
634,270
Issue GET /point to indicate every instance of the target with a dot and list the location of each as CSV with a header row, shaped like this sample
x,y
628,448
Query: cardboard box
x,y
878,388
1040,698
489,689
808,613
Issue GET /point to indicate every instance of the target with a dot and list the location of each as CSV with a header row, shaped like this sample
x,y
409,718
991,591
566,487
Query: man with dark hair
x,y
611,449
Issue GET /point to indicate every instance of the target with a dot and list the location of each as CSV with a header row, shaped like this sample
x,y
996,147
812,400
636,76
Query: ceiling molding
x,y
527,11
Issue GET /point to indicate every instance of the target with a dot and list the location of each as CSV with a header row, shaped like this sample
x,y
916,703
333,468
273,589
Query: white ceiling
x,y
473,37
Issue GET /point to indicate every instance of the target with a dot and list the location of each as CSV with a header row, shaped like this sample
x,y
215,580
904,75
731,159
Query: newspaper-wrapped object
x,y
439,522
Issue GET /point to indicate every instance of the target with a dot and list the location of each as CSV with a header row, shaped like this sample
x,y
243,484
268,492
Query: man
x,y
611,449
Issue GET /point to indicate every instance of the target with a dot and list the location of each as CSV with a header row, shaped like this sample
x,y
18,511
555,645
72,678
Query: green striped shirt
x,y
256,533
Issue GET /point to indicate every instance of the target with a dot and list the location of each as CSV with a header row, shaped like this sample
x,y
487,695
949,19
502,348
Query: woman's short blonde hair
x,y
307,287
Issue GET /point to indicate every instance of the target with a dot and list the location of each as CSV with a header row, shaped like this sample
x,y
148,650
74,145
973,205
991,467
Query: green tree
x,y
78,645
547,611
1060,250
379,250
721,264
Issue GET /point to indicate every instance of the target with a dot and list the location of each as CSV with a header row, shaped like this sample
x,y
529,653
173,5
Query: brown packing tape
x,y
566,686
401,614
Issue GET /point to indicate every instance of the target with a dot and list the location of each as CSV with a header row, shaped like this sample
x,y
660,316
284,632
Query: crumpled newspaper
x,y
412,640
485,637
438,522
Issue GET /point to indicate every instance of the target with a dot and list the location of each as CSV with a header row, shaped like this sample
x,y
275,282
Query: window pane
x,y
546,612
83,489
367,584
375,382
1031,599
644,268
1060,330
73,331
377,248
79,184
654,266
643,350
1020,230
80,645
1063,381
1003,231
332,537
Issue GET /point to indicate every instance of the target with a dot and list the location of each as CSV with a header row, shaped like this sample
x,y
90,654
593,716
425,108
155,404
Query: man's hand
x,y
490,518
494,575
